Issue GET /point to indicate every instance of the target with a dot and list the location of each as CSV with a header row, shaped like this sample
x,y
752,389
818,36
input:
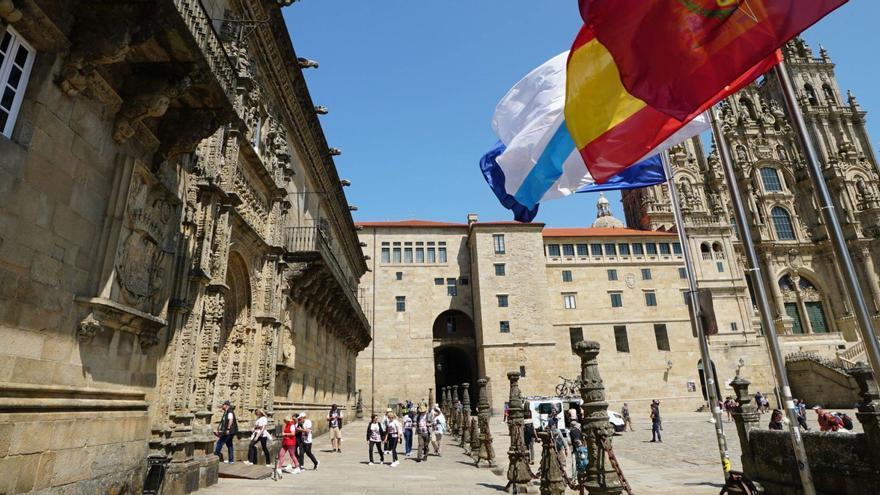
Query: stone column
x,y
871,275
359,408
454,411
444,401
552,482
806,324
486,452
747,418
600,477
465,417
430,397
518,473
474,433
869,409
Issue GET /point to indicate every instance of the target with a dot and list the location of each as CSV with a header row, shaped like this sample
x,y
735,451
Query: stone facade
x,y
163,245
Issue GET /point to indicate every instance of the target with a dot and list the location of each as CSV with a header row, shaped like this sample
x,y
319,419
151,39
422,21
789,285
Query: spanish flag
x,y
640,70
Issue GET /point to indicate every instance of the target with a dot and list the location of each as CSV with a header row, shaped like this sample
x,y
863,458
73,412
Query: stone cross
x,y
518,473
359,408
600,477
747,418
486,451
552,482
465,416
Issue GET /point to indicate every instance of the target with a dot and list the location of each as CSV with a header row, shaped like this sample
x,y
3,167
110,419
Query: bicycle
x,y
568,387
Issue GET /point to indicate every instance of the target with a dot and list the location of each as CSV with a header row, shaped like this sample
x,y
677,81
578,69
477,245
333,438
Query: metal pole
x,y
832,224
708,371
760,288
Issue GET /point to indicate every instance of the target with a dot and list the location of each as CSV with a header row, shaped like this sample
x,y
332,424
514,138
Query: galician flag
x,y
536,159
639,70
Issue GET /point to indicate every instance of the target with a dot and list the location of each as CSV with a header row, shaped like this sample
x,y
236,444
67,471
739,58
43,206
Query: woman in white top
x,y
393,431
439,422
261,435
375,433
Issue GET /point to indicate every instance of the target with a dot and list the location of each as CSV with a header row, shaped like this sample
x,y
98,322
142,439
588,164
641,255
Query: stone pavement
x,y
686,462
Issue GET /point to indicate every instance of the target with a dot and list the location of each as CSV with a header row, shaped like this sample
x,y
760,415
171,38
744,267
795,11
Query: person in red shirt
x,y
288,446
827,421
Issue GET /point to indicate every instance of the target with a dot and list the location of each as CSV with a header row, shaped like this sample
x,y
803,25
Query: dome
x,y
604,218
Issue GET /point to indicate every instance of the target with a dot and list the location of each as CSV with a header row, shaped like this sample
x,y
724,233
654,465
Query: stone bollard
x,y
869,409
465,417
486,452
600,477
552,482
454,412
359,408
430,400
475,437
747,418
518,474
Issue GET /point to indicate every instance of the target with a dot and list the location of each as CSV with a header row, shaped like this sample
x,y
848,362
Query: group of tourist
x,y
426,424
828,421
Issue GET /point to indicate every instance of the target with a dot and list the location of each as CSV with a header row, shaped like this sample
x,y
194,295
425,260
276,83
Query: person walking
x,y
627,419
226,432
759,401
529,434
334,421
384,422
288,446
392,435
306,428
423,428
801,410
655,421
299,439
260,435
439,422
827,421
375,434
407,433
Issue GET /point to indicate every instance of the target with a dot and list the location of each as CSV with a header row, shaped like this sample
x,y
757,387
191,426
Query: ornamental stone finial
x,y
486,452
518,474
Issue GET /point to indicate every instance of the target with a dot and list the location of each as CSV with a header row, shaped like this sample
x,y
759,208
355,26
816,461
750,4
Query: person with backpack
x,y
438,420
801,413
655,421
260,435
288,446
423,427
334,421
392,436
845,420
375,434
827,421
529,434
226,432
580,453
407,433
306,428
627,419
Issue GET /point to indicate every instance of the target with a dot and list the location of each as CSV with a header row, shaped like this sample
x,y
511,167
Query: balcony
x,y
318,281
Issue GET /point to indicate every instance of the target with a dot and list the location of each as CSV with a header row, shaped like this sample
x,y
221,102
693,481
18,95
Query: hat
x,y
227,403
423,409
303,414
389,410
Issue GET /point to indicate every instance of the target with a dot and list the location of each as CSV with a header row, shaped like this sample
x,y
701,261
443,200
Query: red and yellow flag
x,y
639,70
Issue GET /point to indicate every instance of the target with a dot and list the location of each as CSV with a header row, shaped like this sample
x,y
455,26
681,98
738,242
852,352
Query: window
x,y
386,255
733,327
438,281
522,371
451,287
16,60
620,338
661,337
498,241
582,250
499,270
566,275
450,324
792,311
408,253
596,249
646,274
682,273
398,275
664,248
502,300
651,248
638,250
612,275
676,248
504,326
568,249
553,250
401,303
420,254
782,224
441,252
610,250
464,280
720,266
650,298
770,178
575,334
569,301
432,254
623,249
397,256
616,299
816,315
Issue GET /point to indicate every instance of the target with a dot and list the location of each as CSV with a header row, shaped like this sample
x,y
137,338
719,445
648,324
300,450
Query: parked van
x,y
541,406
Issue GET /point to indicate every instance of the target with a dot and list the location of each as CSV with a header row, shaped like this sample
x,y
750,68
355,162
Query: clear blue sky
x,y
411,87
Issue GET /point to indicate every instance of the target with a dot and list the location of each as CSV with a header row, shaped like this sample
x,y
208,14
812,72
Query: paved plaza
x,y
686,462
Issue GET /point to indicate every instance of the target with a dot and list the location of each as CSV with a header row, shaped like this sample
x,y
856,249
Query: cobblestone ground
x,y
686,462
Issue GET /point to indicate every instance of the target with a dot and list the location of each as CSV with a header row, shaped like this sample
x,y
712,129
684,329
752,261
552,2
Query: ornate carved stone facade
x,y
156,254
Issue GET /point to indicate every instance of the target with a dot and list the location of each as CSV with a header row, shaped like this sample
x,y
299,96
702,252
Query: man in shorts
x,y
334,420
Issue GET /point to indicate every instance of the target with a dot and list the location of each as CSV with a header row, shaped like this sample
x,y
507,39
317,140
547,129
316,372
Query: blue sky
x,y
411,87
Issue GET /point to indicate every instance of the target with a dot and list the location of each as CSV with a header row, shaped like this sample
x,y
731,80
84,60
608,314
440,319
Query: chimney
x,y
472,218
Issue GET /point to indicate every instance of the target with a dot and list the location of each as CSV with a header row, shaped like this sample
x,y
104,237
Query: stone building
x,y
173,234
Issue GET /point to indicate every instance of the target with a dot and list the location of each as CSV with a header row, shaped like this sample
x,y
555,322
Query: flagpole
x,y
760,289
708,369
832,224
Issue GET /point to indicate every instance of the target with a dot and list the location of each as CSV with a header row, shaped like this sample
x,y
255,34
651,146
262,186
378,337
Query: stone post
x,y
444,401
486,452
600,477
746,417
869,409
454,412
465,417
518,473
359,408
475,437
430,400
552,482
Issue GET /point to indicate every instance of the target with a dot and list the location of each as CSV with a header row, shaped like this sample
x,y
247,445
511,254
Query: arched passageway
x,y
455,353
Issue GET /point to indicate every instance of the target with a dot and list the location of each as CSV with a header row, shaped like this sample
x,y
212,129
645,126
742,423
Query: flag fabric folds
x,y
536,158
639,70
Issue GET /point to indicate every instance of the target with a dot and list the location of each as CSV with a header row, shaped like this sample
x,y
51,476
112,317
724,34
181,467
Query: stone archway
x,y
455,352
235,332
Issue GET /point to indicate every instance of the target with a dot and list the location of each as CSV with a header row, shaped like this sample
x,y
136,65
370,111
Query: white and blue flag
x,y
536,159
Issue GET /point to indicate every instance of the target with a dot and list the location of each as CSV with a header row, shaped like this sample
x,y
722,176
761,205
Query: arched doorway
x,y
232,345
804,304
455,353
703,388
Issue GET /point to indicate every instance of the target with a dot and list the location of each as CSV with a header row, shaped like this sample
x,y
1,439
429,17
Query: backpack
x,y
847,421
582,459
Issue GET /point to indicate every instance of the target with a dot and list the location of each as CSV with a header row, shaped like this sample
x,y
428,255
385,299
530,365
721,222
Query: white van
x,y
540,407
